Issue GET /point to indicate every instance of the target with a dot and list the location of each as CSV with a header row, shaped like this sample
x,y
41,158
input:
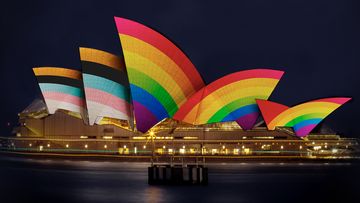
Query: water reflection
x,y
153,194
55,180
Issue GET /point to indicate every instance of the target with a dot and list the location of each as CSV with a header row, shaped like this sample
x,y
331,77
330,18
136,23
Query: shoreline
x,y
177,159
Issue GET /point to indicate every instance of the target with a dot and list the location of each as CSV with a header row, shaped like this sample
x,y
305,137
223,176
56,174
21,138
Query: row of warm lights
x,y
325,144
182,150
152,136
183,147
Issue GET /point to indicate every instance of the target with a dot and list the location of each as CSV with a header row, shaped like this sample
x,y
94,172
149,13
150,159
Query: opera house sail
x,y
106,85
230,98
161,76
61,89
303,118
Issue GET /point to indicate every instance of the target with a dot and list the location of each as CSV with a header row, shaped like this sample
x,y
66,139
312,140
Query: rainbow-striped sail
x,y
303,118
161,76
106,85
62,89
230,98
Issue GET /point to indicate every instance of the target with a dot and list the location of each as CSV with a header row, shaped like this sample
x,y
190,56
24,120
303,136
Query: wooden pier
x,y
177,175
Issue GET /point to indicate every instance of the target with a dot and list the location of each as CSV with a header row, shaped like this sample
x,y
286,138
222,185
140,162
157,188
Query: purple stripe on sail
x,y
248,121
144,118
305,130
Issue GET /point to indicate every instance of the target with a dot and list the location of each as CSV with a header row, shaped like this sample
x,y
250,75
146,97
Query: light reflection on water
x,y
105,181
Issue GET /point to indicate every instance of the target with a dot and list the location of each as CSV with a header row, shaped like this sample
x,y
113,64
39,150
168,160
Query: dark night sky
x,y
315,42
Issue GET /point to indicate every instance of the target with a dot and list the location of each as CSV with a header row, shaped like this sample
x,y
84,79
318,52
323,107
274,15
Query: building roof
x,y
161,76
155,81
303,118
61,88
106,85
230,98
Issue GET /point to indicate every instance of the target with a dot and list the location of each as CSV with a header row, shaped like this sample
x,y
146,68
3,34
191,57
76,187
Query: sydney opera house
x,y
153,101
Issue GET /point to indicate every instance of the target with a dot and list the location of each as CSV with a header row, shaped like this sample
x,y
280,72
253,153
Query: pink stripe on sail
x,y
338,100
61,97
107,99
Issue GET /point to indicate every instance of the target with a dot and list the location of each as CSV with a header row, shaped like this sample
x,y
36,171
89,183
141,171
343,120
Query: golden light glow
x,y
105,146
164,138
190,138
236,151
86,146
107,137
317,147
67,145
139,138
48,145
247,151
182,151
264,137
83,137
213,151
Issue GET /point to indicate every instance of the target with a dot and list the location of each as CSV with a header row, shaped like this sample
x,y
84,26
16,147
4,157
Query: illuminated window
x,y
214,151
203,150
160,150
236,151
317,147
266,147
182,151
247,151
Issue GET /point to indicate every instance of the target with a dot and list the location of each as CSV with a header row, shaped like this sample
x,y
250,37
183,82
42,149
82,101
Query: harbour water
x,y
60,180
